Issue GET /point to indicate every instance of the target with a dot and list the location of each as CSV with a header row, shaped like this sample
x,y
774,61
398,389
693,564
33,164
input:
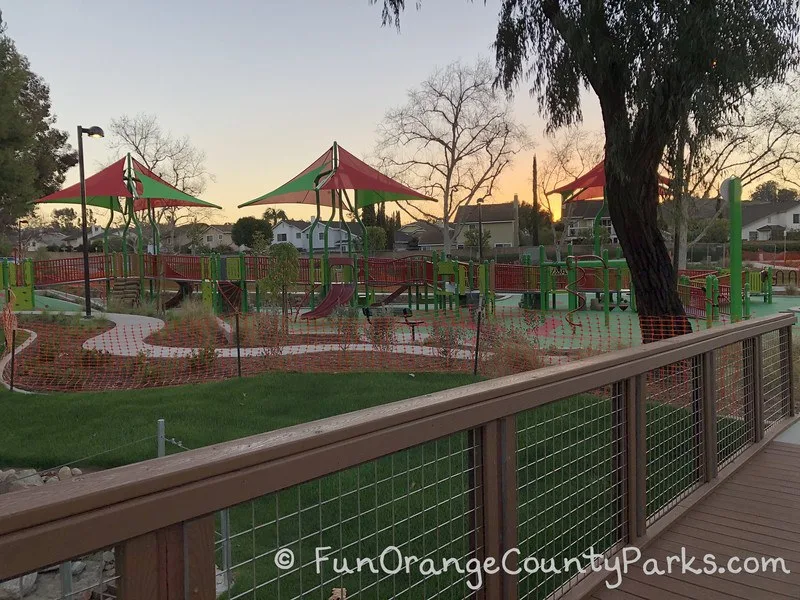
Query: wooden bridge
x,y
689,443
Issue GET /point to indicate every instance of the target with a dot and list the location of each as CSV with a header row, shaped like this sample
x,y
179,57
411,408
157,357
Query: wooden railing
x,y
597,453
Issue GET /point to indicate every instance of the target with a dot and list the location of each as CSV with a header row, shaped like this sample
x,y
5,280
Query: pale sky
x,y
263,87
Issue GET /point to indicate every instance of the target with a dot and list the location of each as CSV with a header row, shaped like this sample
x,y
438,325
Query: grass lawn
x,y
45,430
419,500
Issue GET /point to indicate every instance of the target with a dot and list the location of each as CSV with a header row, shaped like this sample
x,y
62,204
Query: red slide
x,y
391,297
339,294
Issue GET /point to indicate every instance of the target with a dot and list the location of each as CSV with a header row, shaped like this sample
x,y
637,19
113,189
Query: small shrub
x,y
506,351
381,333
93,359
144,367
447,338
345,319
202,359
48,349
263,330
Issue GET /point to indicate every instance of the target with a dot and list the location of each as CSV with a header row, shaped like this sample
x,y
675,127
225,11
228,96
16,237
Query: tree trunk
x,y
681,235
633,209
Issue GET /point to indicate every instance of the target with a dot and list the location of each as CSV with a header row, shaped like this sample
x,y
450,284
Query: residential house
x,y
578,217
217,236
291,231
337,235
419,235
37,240
769,220
93,234
500,220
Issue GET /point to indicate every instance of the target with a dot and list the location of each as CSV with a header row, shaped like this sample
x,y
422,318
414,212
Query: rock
x,y
23,479
6,474
64,473
108,557
76,472
222,581
10,590
78,567
51,480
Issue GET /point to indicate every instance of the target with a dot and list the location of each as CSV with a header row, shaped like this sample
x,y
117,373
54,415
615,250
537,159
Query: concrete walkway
x,y
128,337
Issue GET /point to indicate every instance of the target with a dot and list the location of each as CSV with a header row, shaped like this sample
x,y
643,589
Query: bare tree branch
x,y
173,159
452,140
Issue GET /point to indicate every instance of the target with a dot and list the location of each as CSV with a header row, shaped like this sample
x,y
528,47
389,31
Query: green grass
x,y
418,499
42,431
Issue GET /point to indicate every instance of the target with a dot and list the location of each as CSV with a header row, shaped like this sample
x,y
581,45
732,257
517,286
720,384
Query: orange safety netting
x,y
67,353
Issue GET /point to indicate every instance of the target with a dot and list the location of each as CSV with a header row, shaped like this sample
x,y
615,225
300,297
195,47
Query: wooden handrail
x,y
49,524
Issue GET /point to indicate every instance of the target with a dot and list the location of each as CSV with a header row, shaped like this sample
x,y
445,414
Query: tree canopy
x,y
770,191
652,65
34,155
244,230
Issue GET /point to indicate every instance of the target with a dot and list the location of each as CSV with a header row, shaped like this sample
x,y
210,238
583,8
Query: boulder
x,y
76,472
78,567
64,473
10,590
108,557
6,474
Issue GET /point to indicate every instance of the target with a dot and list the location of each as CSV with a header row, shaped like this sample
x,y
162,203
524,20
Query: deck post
x,y
174,563
634,395
758,389
785,341
709,417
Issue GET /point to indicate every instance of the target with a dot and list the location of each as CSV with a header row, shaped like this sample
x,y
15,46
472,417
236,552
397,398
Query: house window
x,y
753,236
209,238
281,237
796,218
297,235
219,237
321,236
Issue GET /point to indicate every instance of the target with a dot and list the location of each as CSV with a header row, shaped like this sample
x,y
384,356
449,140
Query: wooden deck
x,y
756,512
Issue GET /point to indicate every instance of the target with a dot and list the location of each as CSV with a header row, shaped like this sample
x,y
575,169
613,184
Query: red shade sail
x,y
591,185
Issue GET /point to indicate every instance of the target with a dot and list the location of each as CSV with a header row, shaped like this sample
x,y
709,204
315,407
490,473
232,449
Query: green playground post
x,y
746,311
734,193
243,282
606,291
709,300
543,283
596,225
572,280
436,295
768,289
715,298
633,297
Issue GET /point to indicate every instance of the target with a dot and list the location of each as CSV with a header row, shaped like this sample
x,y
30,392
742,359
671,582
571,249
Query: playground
x,y
164,319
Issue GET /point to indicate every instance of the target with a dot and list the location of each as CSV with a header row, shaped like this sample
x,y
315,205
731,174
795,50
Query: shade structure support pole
x,y
353,207
107,250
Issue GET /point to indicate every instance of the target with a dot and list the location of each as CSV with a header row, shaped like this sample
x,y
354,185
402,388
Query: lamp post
x,y
480,230
480,227
93,132
20,223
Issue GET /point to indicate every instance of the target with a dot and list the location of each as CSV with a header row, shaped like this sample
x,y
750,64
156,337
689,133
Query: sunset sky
x,y
262,87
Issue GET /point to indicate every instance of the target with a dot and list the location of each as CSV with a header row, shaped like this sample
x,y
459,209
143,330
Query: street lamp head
x,y
93,132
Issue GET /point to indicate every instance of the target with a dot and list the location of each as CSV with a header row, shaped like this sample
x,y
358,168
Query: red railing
x,y
694,300
66,270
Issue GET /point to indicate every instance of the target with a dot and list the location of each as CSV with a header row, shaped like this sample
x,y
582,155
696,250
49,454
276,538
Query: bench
x,y
390,311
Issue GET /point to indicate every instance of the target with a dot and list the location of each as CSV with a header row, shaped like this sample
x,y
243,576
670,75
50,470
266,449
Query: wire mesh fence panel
x,y
776,371
359,528
571,480
90,576
732,382
673,438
